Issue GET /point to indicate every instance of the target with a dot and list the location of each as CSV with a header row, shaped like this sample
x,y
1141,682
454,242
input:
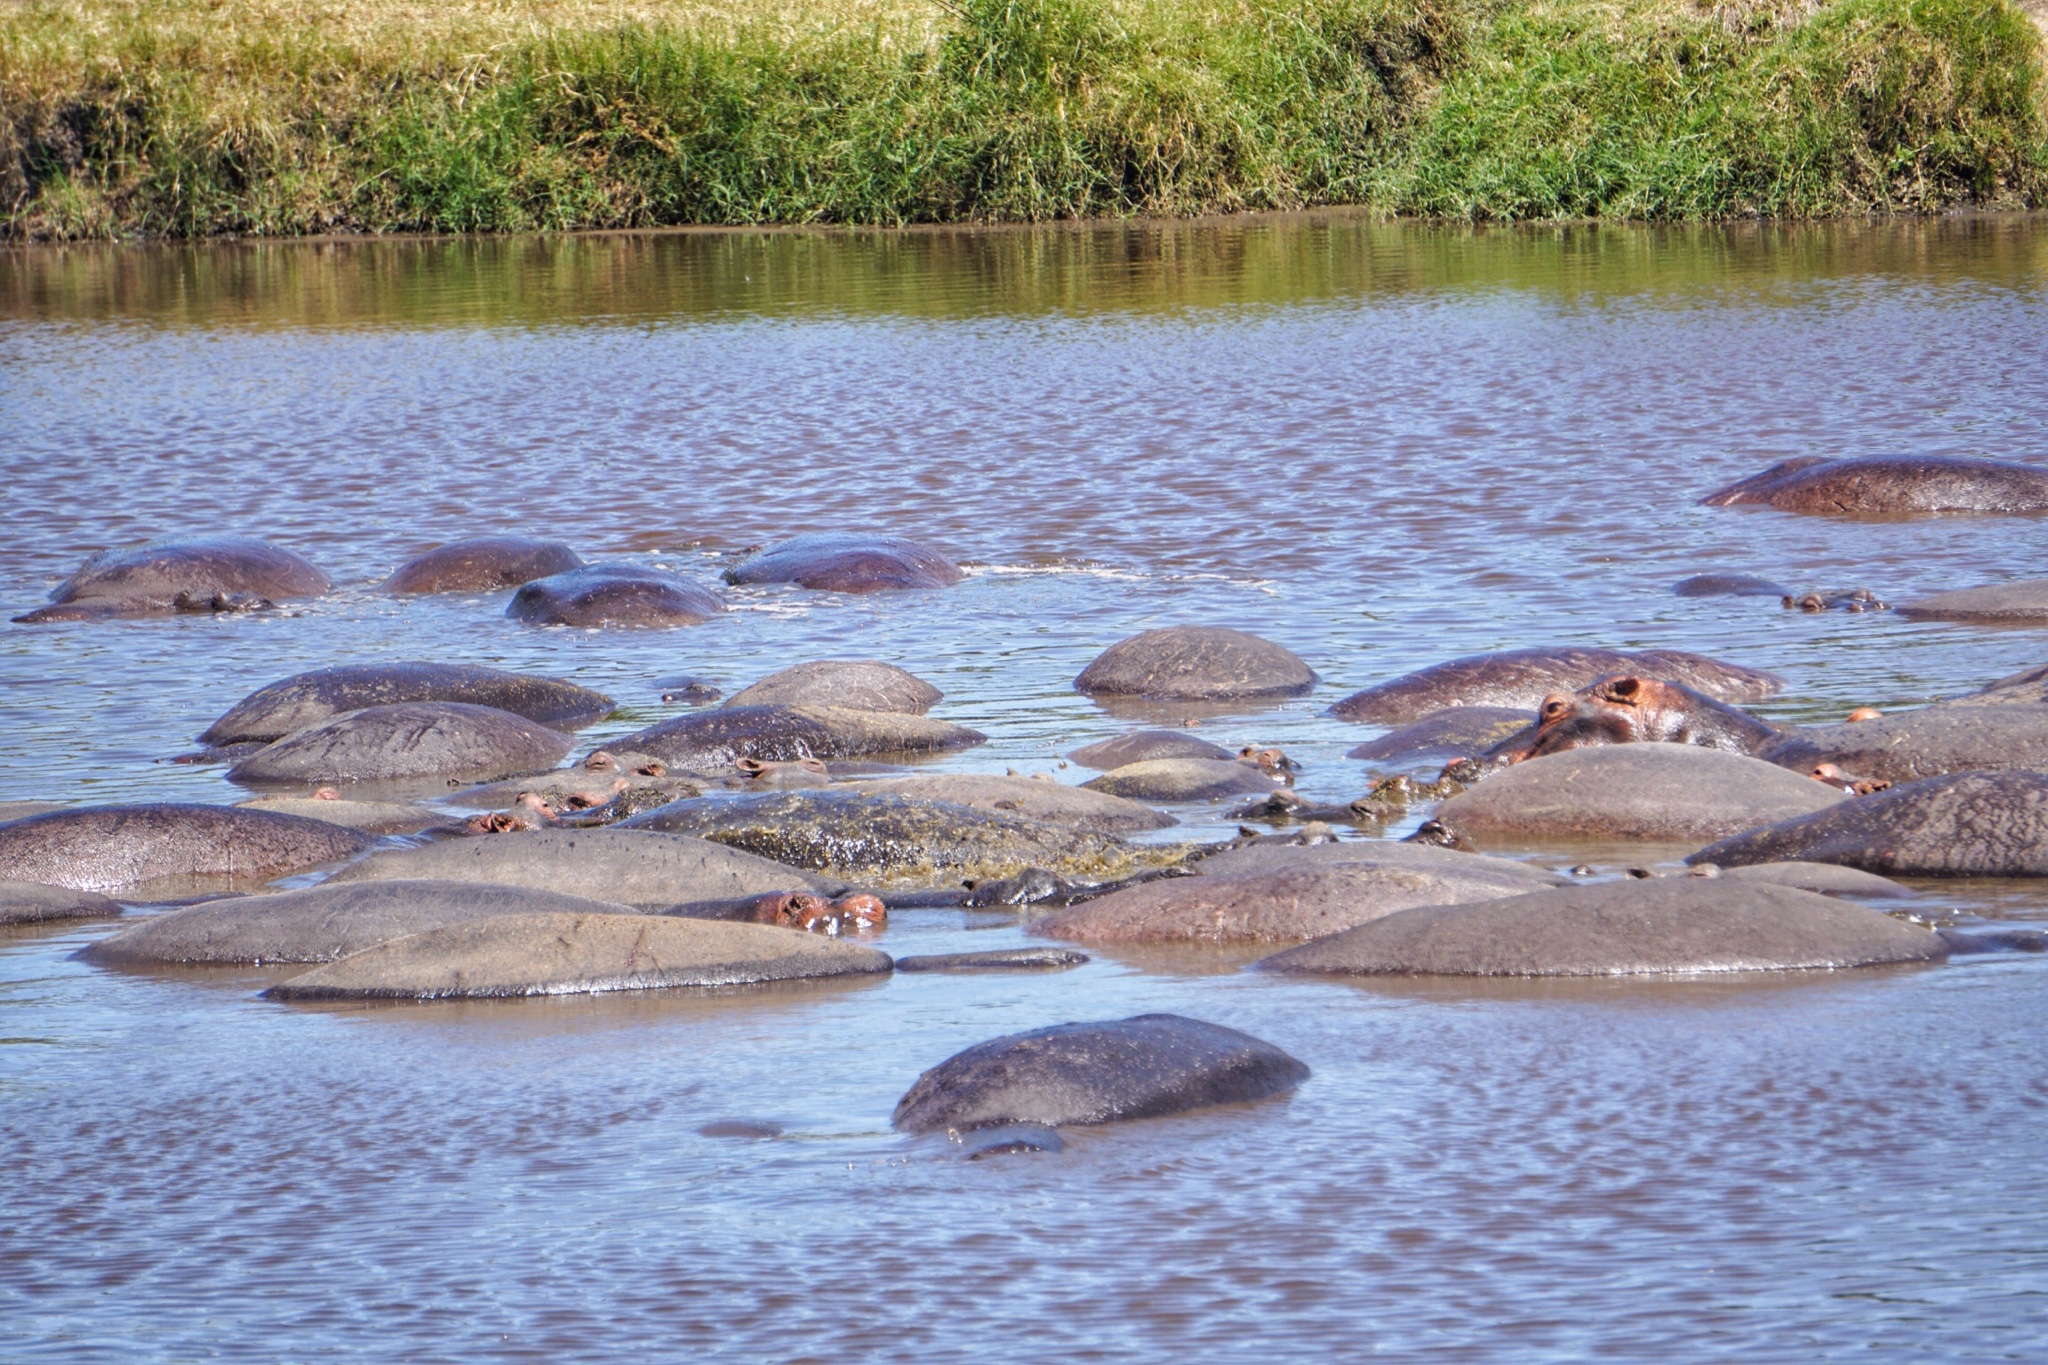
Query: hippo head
x,y
1623,709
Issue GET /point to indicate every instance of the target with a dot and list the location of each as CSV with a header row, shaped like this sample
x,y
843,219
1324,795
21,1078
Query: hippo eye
x,y
1555,707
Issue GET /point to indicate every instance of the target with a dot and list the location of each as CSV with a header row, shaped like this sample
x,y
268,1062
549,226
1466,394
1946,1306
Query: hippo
x,y
36,903
1668,792
320,924
1140,746
1454,732
640,868
849,835
856,685
405,743
721,737
1029,797
1890,486
1669,925
839,562
614,595
199,574
2022,603
1908,745
1144,1067
1184,779
1825,879
1847,599
482,564
109,848
1274,855
272,712
1627,709
2029,687
858,913
1727,585
996,960
371,817
1960,825
689,691
1253,907
558,953
1522,678
1196,664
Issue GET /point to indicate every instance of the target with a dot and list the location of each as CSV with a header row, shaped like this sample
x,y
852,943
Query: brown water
x,y
1380,445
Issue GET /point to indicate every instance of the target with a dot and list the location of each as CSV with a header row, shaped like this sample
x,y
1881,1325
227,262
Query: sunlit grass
x,y
290,116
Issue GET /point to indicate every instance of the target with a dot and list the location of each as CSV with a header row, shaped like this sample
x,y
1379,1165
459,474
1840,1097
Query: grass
x,y
203,117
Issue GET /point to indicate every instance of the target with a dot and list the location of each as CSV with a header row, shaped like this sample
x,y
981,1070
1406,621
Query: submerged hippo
x,y
837,562
1196,663
1030,797
1890,486
720,738
1140,746
200,574
856,835
1908,745
2024,603
36,903
1522,678
614,595
407,742
1668,792
1727,585
108,848
574,954
1146,1067
1667,925
856,684
2029,687
304,699
482,564
1454,732
1184,779
1962,825
1628,709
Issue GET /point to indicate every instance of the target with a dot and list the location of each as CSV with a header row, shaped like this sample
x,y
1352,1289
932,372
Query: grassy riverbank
x,y
190,117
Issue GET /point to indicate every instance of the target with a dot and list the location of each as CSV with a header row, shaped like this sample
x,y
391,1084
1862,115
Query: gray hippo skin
x,y
321,923
1184,779
371,817
640,868
2024,603
1727,585
1279,856
36,903
1665,925
1824,879
2028,687
576,954
1522,678
613,595
204,573
1668,792
1145,1067
1890,487
1196,663
1963,825
996,960
835,562
407,742
1634,710
1142,746
482,564
305,699
1454,732
1028,798
855,835
855,684
107,848
721,737
1298,903
1909,745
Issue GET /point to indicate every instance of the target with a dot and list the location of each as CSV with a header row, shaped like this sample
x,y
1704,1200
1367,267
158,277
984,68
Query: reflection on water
x,y
1380,444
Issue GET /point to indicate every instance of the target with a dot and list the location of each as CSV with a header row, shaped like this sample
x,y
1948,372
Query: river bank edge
x,y
1028,111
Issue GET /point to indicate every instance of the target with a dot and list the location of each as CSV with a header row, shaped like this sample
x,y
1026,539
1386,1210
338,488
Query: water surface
x,y
1381,445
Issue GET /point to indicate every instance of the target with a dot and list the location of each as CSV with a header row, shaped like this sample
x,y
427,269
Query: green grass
x,y
197,118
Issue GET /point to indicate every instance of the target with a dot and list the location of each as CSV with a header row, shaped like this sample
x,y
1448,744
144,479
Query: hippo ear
x,y
1625,689
749,766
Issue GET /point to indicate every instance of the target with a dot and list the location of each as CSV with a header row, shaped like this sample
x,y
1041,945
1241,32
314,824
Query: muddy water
x,y
1382,446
